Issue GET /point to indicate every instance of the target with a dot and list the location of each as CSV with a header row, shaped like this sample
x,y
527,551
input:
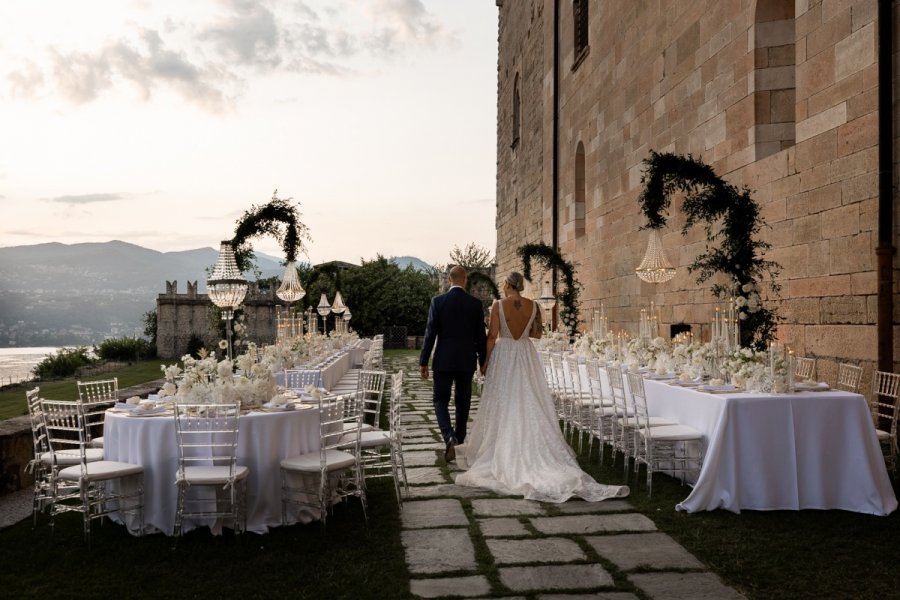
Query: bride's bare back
x,y
517,311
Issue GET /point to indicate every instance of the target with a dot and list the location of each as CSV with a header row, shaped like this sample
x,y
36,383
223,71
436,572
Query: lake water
x,y
16,363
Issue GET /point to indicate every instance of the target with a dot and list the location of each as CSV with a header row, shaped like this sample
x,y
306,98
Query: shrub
x,y
125,349
64,363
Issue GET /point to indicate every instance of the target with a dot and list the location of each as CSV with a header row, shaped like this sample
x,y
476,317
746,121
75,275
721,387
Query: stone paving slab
x,y
555,577
653,550
429,446
438,550
444,512
502,527
545,550
418,475
503,507
447,489
419,459
600,596
684,586
581,524
576,507
408,418
476,585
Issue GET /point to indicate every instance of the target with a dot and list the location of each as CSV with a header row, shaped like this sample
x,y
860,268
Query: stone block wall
x,y
179,316
778,96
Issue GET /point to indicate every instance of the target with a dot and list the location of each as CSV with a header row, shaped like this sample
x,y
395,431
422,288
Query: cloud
x,y
27,81
88,198
210,62
402,23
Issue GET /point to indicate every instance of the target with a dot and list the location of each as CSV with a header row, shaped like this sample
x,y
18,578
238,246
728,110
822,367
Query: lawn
x,y
12,398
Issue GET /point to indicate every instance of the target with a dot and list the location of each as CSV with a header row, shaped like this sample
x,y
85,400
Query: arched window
x,y
774,97
580,23
578,209
516,112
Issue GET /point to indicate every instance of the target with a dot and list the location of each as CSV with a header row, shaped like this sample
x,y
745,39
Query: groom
x,y
456,321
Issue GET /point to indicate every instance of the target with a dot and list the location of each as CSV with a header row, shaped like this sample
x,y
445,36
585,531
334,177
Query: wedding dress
x,y
516,446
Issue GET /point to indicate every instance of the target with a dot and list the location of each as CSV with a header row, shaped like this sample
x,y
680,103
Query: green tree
x,y
150,320
472,257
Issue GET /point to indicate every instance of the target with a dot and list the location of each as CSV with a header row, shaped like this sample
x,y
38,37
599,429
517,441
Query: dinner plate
x,y
150,413
718,389
686,384
811,386
662,377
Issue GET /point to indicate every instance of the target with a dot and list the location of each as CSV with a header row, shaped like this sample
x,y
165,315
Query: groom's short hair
x,y
457,274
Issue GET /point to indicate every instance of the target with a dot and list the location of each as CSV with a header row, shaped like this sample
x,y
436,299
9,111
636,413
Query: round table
x,y
264,439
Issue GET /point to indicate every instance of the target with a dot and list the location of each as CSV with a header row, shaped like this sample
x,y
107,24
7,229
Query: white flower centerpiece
x,y
554,341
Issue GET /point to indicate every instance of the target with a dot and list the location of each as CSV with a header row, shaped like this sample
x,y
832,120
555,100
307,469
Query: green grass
x,y
775,554
12,398
350,560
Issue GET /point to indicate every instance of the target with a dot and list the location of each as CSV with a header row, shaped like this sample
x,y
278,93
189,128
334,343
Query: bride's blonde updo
x,y
516,281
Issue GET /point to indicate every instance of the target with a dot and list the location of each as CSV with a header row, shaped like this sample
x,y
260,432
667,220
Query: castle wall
x,y
776,95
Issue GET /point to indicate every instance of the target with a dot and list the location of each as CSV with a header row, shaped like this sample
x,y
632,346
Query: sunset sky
x,y
160,122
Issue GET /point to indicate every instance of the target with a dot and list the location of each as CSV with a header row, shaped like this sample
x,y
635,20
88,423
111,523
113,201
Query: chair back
x,y
64,424
885,392
370,387
804,368
207,435
336,413
299,379
38,432
557,368
573,372
849,378
638,400
617,385
396,425
97,396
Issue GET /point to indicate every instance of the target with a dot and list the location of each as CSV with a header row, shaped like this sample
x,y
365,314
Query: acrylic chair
x,y
674,449
849,378
98,496
207,437
97,397
885,406
315,479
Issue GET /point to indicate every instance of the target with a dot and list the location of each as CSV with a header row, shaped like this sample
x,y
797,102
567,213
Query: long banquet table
x,y
264,439
331,373
780,452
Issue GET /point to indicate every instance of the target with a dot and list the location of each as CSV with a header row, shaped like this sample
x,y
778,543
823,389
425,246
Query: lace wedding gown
x,y
516,446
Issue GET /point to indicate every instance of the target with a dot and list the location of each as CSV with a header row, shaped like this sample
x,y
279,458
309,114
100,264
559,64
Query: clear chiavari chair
x,y
849,378
604,418
333,471
370,387
582,405
207,436
97,497
673,449
621,436
804,368
97,397
558,387
299,379
885,407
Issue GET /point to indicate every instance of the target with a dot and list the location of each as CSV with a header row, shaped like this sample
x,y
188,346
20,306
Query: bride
x,y
516,446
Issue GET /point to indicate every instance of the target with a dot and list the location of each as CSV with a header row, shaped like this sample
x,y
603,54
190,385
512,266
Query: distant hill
x,y
108,267
405,261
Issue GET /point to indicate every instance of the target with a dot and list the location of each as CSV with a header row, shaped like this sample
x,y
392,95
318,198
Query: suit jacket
x,y
456,324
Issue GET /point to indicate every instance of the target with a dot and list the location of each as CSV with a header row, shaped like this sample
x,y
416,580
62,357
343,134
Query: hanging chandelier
x,y
290,289
226,286
655,268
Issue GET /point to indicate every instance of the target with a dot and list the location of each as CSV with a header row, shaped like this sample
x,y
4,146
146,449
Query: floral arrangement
x,y
554,341
745,365
207,381
590,345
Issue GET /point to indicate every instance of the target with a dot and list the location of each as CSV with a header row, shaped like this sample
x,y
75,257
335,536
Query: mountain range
x,y
48,291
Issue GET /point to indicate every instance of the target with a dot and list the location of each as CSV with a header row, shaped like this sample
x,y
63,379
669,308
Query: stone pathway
x,y
469,543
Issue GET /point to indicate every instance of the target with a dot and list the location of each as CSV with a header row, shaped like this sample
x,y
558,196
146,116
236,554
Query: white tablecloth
x,y
264,439
781,452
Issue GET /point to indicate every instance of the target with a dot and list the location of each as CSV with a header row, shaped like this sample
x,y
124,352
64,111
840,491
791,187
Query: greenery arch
x,y
267,219
551,259
731,217
476,277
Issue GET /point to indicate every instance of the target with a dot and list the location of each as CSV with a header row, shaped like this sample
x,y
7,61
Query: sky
x,y
159,122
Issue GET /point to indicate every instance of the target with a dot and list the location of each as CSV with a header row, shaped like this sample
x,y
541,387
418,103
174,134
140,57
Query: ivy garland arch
x,y
476,277
269,219
731,217
551,259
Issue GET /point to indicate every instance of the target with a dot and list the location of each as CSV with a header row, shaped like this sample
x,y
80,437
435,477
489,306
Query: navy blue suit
x,y
456,327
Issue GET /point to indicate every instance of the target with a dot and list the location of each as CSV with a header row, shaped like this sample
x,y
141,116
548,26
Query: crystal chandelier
x,y
324,309
290,289
655,268
226,286
547,302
